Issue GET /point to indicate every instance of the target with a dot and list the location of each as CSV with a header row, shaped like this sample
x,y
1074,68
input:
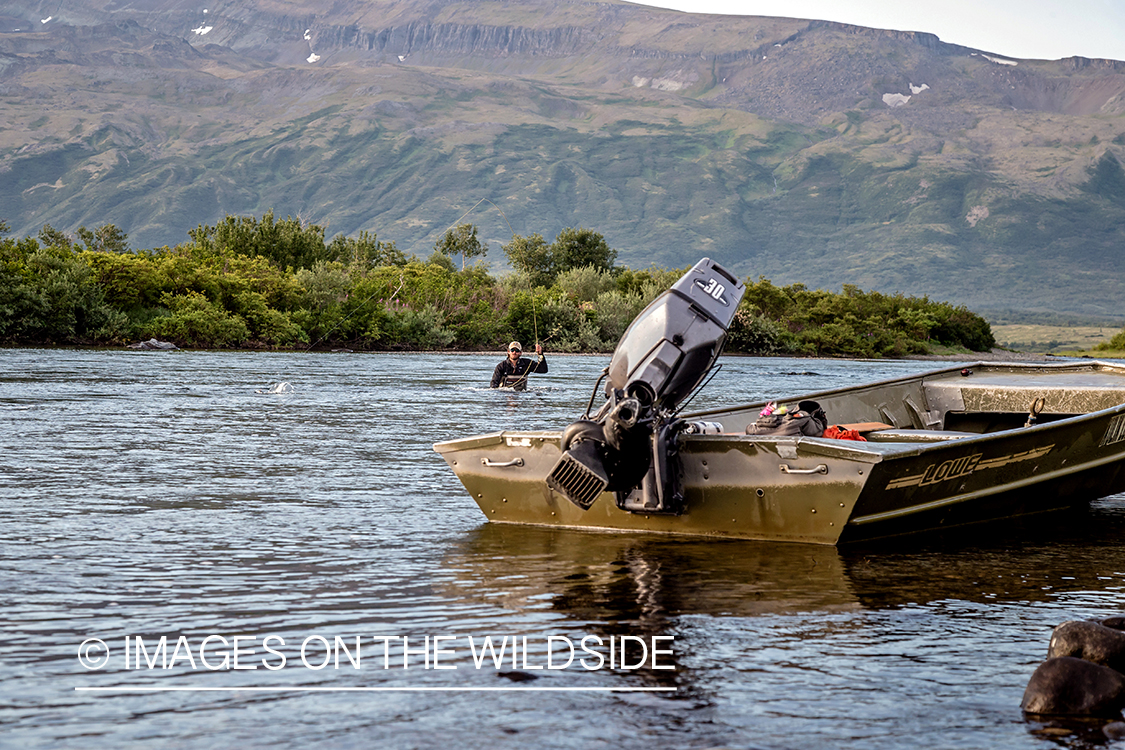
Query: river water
x,y
150,494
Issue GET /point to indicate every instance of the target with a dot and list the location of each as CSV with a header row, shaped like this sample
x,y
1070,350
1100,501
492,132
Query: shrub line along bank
x,y
277,284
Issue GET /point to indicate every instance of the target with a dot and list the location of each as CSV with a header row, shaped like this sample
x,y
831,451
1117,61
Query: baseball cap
x,y
515,345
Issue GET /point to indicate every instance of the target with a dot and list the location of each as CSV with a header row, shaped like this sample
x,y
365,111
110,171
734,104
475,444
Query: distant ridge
x,y
806,151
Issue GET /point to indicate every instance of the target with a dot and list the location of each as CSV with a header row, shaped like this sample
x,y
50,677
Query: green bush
x,y
418,329
758,335
613,312
575,247
22,304
567,327
1115,344
478,326
959,326
533,258
196,321
585,283
364,252
324,289
287,243
442,261
50,295
572,248
266,324
649,282
523,319
864,324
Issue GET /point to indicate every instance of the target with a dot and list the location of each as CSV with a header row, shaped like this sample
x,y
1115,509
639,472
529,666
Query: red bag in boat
x,y
842,433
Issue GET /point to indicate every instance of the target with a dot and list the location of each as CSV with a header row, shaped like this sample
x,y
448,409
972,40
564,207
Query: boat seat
x,y
896,435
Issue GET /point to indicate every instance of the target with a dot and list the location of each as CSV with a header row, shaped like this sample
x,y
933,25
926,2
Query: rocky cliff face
x,y
808,151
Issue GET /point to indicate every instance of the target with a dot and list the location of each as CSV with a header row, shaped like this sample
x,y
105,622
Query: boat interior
x,y
959,403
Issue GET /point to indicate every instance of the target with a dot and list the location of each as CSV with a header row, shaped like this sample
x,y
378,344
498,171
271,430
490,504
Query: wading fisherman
x,y
513,371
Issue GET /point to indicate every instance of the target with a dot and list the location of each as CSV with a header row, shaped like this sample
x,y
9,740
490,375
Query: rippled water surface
x,y
161,494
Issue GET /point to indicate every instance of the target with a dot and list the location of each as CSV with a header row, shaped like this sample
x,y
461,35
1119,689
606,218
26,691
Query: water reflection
x,y
961,619
641,579
609,584
1029,560
648,579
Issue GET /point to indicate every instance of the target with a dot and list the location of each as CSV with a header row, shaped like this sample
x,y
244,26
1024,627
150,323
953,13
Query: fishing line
x,y
535,321
402,281
474,208
286,387
526,373
534,315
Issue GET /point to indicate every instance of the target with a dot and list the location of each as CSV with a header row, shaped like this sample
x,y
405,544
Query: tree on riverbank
x,y
573,248
250,283
461,240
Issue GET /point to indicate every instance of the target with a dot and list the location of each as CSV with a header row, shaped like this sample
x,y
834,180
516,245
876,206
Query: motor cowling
x,y
662,357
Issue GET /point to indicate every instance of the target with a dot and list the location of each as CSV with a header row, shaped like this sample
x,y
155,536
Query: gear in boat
x,y
628,447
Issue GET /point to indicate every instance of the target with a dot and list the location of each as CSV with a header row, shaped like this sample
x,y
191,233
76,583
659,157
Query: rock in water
x,y
154,345
1091,641
1115,730
1065,685
517,675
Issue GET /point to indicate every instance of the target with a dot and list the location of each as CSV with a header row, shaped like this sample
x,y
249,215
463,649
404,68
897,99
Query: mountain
x,y
805,151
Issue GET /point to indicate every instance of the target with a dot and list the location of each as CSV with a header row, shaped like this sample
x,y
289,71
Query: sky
x,y
1025,29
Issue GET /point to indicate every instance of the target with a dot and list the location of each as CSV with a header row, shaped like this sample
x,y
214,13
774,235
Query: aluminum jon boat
x,y
951,447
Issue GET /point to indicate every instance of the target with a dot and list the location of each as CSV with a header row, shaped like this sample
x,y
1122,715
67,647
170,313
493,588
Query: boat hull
x,y
506,473
825,491
991,477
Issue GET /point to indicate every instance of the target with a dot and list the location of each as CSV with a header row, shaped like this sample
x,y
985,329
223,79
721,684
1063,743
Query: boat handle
x,y
820,469
502,464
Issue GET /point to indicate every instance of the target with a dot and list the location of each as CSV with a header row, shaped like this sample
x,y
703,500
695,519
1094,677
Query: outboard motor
x,y
629,446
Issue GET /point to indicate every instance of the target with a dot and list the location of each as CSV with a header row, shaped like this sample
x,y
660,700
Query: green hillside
x,y
807,152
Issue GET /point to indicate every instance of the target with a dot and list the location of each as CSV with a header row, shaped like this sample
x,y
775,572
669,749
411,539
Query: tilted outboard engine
x,y
629,446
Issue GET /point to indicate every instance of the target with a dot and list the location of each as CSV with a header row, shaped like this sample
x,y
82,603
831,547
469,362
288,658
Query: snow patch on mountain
x,y
997,60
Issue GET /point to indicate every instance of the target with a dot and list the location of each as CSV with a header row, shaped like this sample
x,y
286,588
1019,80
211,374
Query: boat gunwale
x,y
489,438
921,377
858,449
